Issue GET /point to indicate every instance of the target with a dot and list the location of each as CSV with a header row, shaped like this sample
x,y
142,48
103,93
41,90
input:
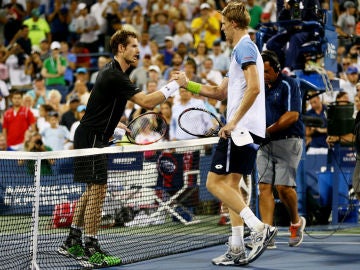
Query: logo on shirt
x,y
218,166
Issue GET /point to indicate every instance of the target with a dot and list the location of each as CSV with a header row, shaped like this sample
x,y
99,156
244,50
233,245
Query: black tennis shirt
x,y
106,105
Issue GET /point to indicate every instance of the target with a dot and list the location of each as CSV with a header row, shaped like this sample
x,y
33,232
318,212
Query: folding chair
x,y
178,179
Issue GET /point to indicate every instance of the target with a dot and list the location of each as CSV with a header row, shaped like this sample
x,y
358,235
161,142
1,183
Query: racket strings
x,y
147,129
199,123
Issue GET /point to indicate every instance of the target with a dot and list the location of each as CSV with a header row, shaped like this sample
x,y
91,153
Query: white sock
x,y
251,220
237,238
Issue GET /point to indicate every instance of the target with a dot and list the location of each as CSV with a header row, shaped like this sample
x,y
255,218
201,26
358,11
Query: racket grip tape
x,y
193,87
169,89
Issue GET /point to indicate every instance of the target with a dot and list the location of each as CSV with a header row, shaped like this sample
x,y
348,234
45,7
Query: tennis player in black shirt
x,y
106,105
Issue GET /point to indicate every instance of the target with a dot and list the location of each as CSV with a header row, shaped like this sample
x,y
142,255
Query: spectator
x,y
205,27
33,64
69,117
255,12
22,39
316,136
220,61
54,69
3,145
200,55
270,11
96,10
183,50
342,98
39,93
113,16
42,121
155,75
17,120
17,77
59,18
169,50
70,61
349,86
83,58
182,34
54,100
34,143
135,18
166,112
357,101
190,69
56,136
81,90
160,62
39,28
80,111
4,93
14,15
160,29
28,102
102,61
346,23
210,75
140,74
81,74
73,14
87,27
177,64
44,49
144,46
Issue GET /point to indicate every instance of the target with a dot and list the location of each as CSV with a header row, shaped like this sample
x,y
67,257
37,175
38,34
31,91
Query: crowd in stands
x,y
51,52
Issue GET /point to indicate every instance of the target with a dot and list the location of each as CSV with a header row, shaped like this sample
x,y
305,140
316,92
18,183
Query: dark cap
x,y
217,43
38,77
53,113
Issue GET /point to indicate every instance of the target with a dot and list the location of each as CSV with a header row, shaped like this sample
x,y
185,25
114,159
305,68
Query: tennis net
x,y
156,203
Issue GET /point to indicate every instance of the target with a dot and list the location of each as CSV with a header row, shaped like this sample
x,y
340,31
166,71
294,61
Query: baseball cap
x,y
349,4
154,68
55,45
204,6
352,70
169,38
81,108
217,42
81,6
38,77
74,98
81,70
53,113
35,12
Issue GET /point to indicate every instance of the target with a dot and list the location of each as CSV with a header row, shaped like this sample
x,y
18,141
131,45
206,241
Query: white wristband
x,y
119,133
169,89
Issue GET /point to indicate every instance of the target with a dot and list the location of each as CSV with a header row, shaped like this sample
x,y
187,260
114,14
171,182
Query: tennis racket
x,y
199,122
145,129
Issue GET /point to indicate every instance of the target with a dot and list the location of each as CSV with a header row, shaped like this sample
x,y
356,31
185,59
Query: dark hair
x,y
271,57
120,37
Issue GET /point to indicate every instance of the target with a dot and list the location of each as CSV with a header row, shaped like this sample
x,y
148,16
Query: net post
x,y
36,206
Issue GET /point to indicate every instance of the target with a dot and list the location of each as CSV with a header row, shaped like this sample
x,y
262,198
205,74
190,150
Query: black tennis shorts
x,y
90,169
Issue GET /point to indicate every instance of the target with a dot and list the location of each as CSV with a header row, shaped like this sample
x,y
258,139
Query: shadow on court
x,y
318,251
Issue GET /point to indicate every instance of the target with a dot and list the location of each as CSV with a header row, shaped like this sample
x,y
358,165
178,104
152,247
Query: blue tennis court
x,y
318,251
